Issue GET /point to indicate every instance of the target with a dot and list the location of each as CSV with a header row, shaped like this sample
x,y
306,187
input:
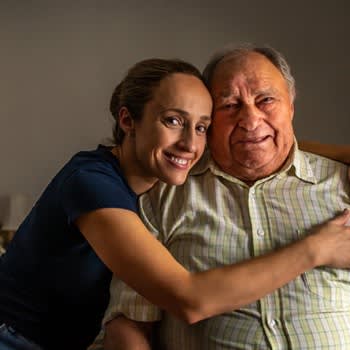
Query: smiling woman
x,y
171,135
85,224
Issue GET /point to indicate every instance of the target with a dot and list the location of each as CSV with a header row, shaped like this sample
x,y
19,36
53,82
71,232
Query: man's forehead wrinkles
x,y
239,90
230,87
228,92
243,82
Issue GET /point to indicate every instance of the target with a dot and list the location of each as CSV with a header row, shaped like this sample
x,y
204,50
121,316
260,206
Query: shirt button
x,y
260,232
252,192
272,323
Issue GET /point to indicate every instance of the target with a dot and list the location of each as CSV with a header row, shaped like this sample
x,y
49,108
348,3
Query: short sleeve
x,y
87,190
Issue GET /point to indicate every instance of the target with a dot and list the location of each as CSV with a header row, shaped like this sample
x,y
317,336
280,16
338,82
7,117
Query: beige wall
x,y
60,61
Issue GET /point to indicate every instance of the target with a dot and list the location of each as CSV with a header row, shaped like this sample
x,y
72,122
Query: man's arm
x,y
340,153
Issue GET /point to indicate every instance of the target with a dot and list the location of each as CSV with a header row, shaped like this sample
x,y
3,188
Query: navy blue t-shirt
x,y
53,287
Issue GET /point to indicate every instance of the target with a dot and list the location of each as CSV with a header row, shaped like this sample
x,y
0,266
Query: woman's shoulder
x,y
99,162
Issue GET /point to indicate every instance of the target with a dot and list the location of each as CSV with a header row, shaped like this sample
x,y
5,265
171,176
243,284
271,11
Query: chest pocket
x,y
332,286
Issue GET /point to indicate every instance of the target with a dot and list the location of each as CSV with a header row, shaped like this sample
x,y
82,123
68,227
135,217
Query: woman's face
x,y
171,135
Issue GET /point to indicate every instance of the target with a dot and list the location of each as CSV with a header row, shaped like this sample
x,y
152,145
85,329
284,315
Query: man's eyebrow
x,y
226,94
269,90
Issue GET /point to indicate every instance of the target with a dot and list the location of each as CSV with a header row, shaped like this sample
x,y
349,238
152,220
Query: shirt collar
x,y
297,164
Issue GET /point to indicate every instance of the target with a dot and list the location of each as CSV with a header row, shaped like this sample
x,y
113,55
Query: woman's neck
x,y
133,173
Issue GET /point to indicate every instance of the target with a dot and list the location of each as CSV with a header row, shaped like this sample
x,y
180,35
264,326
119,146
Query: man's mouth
x,y
254,140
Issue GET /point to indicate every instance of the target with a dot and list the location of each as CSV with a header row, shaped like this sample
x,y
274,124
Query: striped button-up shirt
x,y
215,219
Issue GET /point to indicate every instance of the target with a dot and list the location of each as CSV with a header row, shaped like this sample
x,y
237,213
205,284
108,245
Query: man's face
x,y
251,133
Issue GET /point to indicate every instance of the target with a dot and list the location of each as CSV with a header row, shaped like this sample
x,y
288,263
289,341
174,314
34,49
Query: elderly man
x,y
255,192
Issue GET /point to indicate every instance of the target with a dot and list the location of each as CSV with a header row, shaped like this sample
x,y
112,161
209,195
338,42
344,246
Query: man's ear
x,y
126,122
292,110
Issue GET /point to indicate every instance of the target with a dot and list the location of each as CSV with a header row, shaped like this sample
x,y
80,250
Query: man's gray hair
x,y
275,57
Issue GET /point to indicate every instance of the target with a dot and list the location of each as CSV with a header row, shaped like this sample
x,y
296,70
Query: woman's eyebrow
x,y
206,118
184,113
177,110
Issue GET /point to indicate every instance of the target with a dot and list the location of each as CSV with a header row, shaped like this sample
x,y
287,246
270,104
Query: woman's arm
x,y
336,152
124,244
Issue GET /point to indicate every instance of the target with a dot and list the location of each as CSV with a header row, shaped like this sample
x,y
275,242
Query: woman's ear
x,y
126,122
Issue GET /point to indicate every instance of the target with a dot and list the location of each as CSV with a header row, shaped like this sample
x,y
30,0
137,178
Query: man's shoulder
x,y
323,167
316,160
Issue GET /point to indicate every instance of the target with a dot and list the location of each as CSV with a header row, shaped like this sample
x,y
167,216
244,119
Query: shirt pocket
x,y
329,286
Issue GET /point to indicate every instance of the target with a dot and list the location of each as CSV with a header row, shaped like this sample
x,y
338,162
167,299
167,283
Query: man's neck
x,y
250,175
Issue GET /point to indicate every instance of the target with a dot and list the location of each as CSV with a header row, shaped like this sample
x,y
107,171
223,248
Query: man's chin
x,y
253,164
252,169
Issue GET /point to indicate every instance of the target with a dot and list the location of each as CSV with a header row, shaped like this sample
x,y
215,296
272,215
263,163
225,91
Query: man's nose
x,y
249,117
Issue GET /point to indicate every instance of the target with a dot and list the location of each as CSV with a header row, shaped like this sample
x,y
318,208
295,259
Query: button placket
x,y
260,232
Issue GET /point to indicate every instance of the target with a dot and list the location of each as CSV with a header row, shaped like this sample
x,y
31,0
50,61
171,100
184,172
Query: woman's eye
x,y
202,129
172,121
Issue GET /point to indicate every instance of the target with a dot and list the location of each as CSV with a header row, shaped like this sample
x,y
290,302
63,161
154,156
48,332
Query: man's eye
x,y
267,100
232,105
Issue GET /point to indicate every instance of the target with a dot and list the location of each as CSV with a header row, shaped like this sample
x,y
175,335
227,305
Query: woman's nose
x,y
188,140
